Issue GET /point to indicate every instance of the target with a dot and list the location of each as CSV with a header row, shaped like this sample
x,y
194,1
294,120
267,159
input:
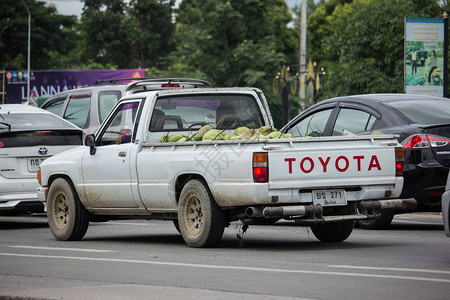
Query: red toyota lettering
x,y
324,163
346,163
290,160
311,167
374,163
358,159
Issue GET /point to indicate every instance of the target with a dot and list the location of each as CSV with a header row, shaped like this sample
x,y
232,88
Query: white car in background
x,y
29,135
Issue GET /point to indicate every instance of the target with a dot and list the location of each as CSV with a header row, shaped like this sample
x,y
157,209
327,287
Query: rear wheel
x,y
381,223
336,231
201,220
67,217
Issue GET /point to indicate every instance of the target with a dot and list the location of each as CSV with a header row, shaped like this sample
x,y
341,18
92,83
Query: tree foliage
x,y
234,42
228,42
362,47
126,36
52,35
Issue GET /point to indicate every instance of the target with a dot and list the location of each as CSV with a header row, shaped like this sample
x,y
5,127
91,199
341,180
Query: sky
x,y
75,7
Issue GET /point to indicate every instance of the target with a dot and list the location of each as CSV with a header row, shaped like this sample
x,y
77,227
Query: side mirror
x,y
90,142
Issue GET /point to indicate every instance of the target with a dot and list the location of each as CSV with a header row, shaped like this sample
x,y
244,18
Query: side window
x,y
120,127
313,125
55,105
106,102
77,111
353,120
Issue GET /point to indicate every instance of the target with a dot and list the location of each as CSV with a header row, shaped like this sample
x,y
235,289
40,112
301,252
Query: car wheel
x,y
67,217
381,223
201,220
336,231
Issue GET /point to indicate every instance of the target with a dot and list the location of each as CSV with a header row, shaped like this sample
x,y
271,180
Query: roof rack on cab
x,y
166,82
116,80
144,84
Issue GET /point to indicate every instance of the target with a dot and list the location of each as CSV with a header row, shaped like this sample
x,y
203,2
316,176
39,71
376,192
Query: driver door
x,y
106,174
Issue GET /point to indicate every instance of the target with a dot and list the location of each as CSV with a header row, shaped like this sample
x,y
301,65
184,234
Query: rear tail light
x,y
399,161
260,167
170,85
424,141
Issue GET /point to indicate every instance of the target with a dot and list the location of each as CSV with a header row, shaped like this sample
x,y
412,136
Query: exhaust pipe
x,y
254,212
392,204
292,211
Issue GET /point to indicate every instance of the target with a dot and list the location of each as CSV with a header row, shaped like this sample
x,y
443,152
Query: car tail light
x,y
435,193
260,167
170,85
43,131
424,141
399,161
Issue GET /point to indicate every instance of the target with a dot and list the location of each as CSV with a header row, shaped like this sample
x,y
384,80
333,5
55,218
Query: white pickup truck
x,y
124,171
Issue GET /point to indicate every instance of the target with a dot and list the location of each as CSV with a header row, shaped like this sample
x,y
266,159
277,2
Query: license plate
x,y
33,163
329,197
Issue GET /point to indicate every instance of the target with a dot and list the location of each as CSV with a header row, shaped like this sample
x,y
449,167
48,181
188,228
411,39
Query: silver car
x,y
87,107
446,207
29,135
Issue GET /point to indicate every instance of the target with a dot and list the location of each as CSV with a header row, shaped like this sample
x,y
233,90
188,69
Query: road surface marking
x,y
62,249
253,269
390,269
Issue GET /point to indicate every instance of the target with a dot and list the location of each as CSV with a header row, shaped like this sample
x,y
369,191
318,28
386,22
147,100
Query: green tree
x,y
126,36
234,42
52,35
363,45
105,34
152,30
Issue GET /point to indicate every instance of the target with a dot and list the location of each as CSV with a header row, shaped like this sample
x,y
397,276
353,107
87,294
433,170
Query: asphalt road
x,y
148,259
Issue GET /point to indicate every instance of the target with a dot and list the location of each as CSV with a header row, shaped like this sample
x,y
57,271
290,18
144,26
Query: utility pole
x,y
302,58
28,59
445,16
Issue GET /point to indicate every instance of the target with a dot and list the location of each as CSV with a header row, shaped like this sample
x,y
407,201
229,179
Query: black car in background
x,y
422,123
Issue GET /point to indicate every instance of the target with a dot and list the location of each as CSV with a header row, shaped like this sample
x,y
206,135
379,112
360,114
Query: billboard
x,y
424,56
51,82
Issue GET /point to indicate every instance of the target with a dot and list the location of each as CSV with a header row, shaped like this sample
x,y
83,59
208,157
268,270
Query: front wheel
x,y
67,218
201,220
337,231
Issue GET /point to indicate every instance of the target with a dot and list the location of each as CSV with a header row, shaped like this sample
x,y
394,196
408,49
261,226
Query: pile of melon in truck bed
x,y
207,133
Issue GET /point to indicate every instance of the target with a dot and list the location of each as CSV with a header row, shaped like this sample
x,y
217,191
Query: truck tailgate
x,y
332,162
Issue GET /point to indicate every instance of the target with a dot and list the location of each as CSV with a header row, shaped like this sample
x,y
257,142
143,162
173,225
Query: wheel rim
x,y
61,211
194,215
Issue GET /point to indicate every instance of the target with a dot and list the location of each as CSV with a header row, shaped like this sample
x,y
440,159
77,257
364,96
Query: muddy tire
x,y
337,231
201,220
67,217
381,223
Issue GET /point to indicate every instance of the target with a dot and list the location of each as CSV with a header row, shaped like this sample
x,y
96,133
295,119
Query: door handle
x,y
122,153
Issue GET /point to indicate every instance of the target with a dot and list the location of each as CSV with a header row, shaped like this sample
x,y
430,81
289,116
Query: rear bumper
x,y
22,206
19,195
314,214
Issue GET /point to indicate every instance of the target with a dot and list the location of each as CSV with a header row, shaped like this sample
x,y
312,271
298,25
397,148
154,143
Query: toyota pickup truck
x,y
133,167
